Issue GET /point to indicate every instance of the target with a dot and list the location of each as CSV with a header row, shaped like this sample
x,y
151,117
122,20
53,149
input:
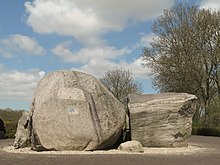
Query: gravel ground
x,y
201,151
192,149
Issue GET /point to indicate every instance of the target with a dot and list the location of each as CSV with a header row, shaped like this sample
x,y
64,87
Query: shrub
x,y
206,131
11,128
10,118
2,135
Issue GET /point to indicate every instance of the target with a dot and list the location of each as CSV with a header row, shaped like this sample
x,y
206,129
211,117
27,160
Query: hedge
x,y
11,128
206,131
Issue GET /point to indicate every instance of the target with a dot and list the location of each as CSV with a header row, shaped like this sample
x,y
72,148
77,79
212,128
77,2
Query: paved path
x,y
211,158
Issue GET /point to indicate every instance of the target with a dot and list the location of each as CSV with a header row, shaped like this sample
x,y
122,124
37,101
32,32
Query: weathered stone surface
x,y
2,130
131,146
74,111
161,120
23,134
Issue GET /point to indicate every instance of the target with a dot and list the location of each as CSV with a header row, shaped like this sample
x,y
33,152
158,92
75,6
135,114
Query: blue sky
x,y
41,36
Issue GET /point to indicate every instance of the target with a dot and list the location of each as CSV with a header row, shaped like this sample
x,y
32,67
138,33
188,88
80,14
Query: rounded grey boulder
x,y
73,111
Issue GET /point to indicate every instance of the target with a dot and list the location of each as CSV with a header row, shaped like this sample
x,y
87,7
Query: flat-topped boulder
x,y
161,120
72,110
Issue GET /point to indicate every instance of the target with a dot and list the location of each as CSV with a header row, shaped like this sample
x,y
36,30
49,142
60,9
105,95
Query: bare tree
x,y
121,83
185,55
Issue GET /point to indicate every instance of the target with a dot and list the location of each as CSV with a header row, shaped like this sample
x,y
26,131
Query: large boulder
x,y
161,120
2,130
74,111
23,133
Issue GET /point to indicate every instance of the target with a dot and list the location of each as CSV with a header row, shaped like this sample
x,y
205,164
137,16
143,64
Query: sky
x,y
93,36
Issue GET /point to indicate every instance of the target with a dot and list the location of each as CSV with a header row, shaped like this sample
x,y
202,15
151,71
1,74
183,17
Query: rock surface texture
x,y
161,120
74,111
23,134
131,146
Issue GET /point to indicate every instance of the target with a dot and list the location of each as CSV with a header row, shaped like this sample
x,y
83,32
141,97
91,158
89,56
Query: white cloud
x,y
84,55
42,74
87,20
139,71
5,53
17,44
98,60
18,85
144,41
210,4
98,68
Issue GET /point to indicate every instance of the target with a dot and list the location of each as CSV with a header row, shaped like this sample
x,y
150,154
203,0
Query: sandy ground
x,y
193,148
162,151
201,151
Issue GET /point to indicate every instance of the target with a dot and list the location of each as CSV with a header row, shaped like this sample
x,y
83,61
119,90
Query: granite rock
x,y
131,146
161,120
23,133
74,111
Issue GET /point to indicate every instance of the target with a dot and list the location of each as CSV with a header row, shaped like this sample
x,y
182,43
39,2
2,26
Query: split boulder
x,y
161,120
